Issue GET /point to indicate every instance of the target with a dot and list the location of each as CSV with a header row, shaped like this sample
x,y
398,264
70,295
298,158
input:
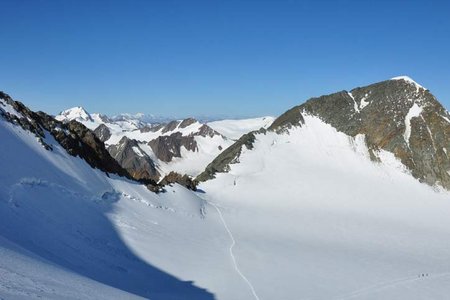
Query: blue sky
x,y
217,58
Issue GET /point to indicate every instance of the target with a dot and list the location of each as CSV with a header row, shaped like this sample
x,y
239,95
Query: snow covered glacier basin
x,y
61,227
304,215
314,218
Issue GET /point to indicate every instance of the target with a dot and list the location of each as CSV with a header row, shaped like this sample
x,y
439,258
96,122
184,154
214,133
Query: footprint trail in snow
x,y
233,242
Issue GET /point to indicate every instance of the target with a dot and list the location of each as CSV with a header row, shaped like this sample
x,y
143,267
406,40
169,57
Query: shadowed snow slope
x,y
302,213
60,224
313,218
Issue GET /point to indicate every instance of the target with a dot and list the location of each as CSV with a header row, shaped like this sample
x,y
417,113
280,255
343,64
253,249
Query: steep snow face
x,y
355,104
413,112
7,108
335,224
67,220
234,129
91,236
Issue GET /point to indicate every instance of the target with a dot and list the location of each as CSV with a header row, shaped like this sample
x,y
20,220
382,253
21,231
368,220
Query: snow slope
x,y
303,215
60,224
24,275
70,232
313,218
234,129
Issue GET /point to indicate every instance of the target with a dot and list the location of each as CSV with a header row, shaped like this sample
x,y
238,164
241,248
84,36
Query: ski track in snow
x,y
233,242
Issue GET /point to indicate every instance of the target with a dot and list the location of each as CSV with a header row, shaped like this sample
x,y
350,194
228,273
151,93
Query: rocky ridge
x,y
396,115
73,136
133,159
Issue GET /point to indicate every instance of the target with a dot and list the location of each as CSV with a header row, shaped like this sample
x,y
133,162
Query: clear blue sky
x,y
226,58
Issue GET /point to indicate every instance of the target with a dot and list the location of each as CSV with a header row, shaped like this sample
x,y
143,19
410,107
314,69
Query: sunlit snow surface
x,y
413,112
313,218
61,229
304,215
234,129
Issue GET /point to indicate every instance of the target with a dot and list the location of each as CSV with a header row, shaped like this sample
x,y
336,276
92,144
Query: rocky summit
x,y
133,159
396,115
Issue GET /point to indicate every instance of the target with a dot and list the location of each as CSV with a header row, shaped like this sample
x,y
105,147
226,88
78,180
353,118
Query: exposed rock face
x,y
286,121
183,180
396,115
74,137
170,126
104,118
167,147
186,122
205,131
133,159
229,156
153,128
102,132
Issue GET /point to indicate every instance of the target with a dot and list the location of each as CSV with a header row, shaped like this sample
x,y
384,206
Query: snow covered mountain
x,y
184,146
60,220
76,113
321,204
396,115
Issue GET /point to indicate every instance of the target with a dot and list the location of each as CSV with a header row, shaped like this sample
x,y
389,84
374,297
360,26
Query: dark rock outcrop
x,y
286,121
102,132
73,136
133,159
397,115
167,147
186,122
171,126
183,180
205,131
151,128
229,156
104,118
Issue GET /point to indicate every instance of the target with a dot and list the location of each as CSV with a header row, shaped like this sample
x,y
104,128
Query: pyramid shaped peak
x,y
74,113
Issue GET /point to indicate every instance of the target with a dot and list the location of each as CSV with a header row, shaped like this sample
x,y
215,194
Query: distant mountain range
x,y
153,150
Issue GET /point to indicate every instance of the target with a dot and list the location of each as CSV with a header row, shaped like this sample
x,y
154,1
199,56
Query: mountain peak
x,y
74,113
409,80
397,116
